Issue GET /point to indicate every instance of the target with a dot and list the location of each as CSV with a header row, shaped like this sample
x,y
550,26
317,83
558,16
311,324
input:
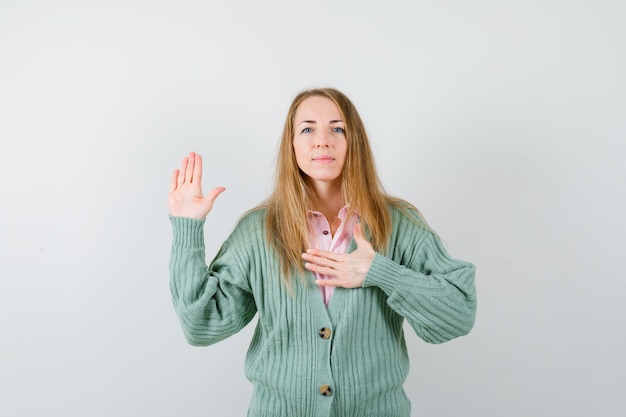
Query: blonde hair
x,y
286,217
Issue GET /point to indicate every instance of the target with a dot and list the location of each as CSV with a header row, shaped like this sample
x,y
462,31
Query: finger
x,y
197,170
182,171
343,283
207,201
322,265
329,282
212,195
322,254
190,165
319,262
320,269
174,181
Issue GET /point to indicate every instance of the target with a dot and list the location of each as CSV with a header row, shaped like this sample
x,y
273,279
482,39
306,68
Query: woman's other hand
x,y
349,270
185,198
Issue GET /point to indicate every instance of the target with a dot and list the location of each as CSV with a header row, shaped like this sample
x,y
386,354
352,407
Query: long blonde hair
x,y
286,217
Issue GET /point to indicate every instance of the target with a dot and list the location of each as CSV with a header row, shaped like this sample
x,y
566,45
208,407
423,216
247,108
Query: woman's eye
x,y
307,130
339,130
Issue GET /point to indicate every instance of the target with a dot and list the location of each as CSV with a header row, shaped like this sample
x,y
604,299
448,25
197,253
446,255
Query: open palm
x,y
185,197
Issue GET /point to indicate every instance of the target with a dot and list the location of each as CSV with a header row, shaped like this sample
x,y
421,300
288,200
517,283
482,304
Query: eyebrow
x,y
314,122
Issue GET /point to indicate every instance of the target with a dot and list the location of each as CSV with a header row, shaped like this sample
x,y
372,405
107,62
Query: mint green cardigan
x,y
349,359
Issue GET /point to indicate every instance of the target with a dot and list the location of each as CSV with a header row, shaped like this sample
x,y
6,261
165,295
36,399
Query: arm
x,y
213,302
434,292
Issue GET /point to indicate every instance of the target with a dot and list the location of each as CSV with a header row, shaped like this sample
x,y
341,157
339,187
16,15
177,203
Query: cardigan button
x,y
325,390
325,333
325,232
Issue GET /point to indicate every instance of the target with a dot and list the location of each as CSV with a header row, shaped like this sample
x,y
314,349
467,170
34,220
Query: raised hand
x,y
348,269
185,198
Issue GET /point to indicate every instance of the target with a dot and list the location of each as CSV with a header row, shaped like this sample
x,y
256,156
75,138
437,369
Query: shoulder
x,y
250,225
407,224
246,240
412,240
253,217
404,213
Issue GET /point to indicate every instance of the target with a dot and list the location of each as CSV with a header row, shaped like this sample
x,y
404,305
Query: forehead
x,y
317,107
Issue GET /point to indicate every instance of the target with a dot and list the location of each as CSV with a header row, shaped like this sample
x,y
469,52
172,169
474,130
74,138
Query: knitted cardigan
x,y
306,359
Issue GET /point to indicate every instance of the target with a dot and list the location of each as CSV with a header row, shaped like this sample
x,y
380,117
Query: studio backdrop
x,y
502,121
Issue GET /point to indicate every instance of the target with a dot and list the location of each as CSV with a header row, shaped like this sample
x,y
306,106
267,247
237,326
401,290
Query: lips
x,y
323,158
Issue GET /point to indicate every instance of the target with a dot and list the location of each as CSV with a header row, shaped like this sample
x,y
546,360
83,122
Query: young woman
x,y
331,264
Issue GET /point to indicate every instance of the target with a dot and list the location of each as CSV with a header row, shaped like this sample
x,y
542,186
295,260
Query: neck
x,y
328,199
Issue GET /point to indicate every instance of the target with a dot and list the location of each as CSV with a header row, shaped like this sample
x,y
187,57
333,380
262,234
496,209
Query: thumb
x,y
357,234
212,195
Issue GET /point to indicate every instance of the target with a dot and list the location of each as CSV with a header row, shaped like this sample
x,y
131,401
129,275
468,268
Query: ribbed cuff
x,y
188,232
382,274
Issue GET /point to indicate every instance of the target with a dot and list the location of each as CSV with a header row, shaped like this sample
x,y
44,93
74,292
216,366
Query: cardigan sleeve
x,y
433,291
212,302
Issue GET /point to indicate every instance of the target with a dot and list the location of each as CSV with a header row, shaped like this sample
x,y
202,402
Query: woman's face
x,y
319,140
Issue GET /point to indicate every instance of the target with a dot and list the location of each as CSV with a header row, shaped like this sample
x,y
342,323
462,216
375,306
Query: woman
x,y
331,264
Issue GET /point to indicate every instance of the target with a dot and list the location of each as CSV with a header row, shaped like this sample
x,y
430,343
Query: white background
x,y
503,121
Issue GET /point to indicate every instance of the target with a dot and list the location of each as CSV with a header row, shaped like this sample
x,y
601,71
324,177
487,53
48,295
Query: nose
x,y
321,139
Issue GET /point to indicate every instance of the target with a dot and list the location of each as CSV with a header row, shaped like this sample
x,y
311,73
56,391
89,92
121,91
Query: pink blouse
x,y
321,238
